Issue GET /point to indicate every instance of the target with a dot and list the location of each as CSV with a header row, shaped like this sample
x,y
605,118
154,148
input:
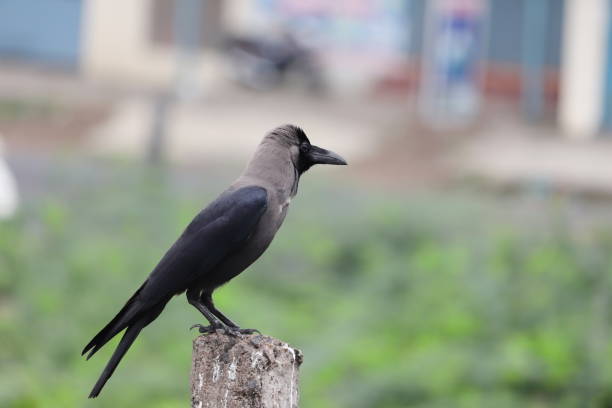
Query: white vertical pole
x,y
583,67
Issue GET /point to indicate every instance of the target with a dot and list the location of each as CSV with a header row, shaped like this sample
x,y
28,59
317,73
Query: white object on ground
x,y
9,199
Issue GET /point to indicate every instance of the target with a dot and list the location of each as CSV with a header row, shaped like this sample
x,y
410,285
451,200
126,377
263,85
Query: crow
x,y
223,240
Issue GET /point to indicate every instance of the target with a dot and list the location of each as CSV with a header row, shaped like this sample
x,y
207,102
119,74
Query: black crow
x,y
222,241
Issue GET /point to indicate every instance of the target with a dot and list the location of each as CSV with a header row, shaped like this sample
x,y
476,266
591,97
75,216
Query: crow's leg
x,y
207,301
193,297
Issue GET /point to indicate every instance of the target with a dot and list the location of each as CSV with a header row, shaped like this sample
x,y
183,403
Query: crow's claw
x,y
233,331
205,329
230,331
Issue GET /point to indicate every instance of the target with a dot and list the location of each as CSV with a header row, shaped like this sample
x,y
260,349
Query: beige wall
x,y
243,17
116,46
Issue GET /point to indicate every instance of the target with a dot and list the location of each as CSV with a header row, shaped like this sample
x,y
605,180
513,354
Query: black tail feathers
x,y
135,316
126,341
115,326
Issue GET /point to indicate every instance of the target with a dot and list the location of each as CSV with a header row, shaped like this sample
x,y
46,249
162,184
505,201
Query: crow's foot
x,y
238,330
207,329
230,331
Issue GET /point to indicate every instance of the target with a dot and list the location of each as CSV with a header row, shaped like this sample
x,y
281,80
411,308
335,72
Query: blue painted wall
x,y
505,30
46,31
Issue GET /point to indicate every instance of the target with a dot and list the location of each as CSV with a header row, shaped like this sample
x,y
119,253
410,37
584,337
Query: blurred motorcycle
x,y
265,63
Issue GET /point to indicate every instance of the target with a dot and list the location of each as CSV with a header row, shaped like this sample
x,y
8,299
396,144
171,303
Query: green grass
x,y
433,300
17,109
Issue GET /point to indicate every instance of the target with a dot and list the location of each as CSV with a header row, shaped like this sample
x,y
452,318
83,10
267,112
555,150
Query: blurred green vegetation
x,y
19,109
431,300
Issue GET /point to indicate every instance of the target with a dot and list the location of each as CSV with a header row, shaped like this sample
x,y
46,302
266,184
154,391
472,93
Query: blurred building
x,y
545,56
137,40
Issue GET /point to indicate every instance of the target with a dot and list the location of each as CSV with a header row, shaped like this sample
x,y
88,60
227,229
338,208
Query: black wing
x,y
215,233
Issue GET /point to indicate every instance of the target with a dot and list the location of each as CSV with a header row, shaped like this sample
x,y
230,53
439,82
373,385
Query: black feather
x,y
214,234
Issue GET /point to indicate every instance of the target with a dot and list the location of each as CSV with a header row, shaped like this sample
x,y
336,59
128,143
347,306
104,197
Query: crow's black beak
x,y
322,156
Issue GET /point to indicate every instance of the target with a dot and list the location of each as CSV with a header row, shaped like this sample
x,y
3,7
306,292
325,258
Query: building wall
x,y
118,44
357,41
368,36
506,20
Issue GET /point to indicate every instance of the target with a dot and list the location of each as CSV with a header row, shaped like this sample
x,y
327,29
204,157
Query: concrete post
x,y
244,372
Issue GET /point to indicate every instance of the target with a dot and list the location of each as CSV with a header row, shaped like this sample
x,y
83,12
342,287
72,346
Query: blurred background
x,y
462,259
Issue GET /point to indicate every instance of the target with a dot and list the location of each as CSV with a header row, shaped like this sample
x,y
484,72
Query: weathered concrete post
x,y
244,372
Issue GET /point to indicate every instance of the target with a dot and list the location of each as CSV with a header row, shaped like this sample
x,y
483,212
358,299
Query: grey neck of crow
x,y
273,164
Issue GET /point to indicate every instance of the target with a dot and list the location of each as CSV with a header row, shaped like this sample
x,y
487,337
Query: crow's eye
x,y
304,147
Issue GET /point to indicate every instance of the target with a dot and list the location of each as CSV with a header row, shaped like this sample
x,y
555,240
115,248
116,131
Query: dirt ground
x,y
44,113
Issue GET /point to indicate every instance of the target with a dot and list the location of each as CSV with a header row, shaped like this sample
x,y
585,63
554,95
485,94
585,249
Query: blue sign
x,y
452,60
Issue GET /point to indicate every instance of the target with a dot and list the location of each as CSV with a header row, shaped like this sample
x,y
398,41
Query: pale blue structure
x,y
44,31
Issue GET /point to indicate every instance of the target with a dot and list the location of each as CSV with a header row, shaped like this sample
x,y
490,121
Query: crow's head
x,y
303,154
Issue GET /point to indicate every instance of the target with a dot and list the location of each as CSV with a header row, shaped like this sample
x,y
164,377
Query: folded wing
x,y
215,233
